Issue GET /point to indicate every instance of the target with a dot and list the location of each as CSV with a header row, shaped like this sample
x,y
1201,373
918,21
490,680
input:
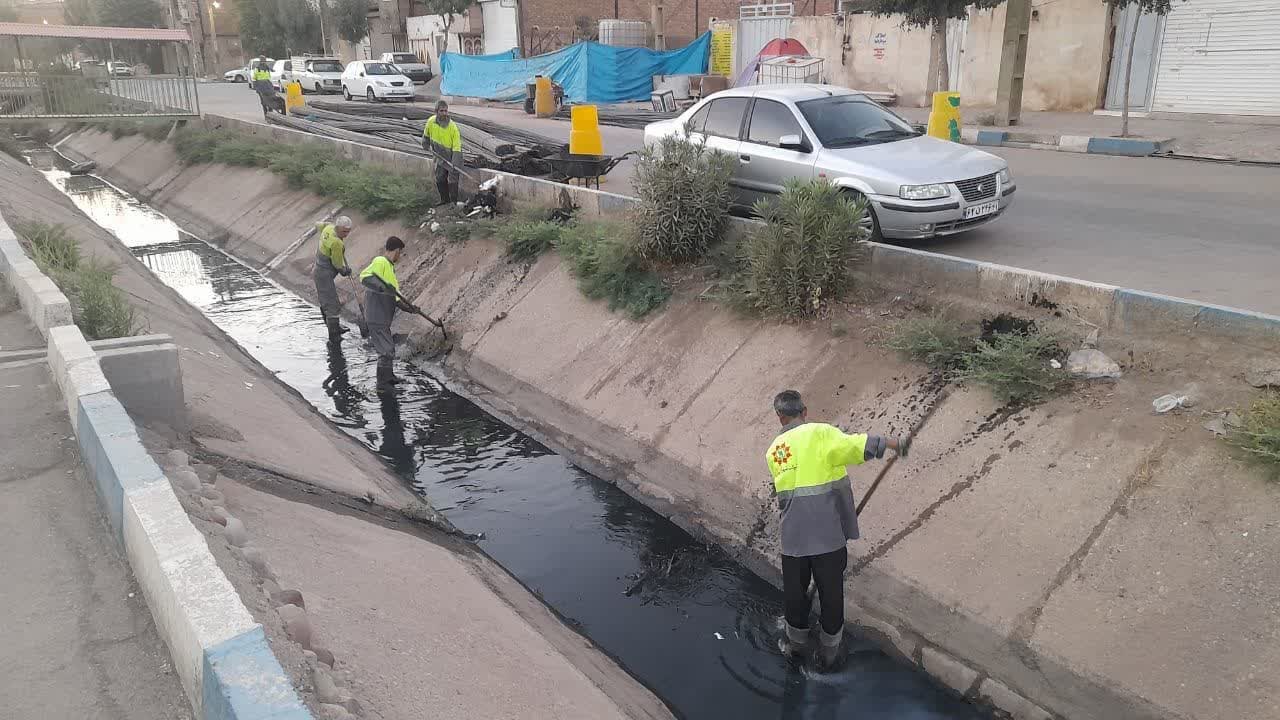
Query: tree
x,y
351,20
78,12
932,15
130,13
277,27
1144,7
447,9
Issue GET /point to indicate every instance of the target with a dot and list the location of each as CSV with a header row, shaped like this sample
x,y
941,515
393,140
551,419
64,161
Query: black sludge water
x,y
681,616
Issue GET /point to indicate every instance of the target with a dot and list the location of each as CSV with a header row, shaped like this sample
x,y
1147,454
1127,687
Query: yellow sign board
x,y
721,49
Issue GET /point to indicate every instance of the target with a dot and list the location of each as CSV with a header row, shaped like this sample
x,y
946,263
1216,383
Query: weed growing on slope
x,y
608,267
528,234
100,309
1259,434
1015,367
937,340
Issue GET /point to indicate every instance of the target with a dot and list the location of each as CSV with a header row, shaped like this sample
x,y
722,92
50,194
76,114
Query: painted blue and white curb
x,y
1093,145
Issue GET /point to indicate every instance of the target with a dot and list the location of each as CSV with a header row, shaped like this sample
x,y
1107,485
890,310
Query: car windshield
x,y
326,66
851,120
404,58
377,68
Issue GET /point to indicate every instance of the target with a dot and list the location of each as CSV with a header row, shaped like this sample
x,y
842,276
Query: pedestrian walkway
x,y
77,639
1254,139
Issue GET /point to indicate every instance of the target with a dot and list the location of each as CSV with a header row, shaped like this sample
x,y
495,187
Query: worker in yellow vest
x,y
808,463
262,84
331,261
381,300
443,138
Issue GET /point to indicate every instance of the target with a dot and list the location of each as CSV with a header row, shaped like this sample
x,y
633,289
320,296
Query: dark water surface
x,y
681,616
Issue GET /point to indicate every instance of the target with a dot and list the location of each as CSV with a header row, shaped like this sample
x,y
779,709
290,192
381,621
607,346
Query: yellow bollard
x,y
293,97
544,103
944,119
584,133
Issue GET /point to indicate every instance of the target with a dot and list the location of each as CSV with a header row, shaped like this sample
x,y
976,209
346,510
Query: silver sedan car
x,y
918,186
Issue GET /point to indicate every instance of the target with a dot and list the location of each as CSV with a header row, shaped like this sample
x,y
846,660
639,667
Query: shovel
x,y
418,311
360,323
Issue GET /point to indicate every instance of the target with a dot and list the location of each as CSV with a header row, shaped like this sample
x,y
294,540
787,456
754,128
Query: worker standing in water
x,y
442,137
331,261
808,463
381,300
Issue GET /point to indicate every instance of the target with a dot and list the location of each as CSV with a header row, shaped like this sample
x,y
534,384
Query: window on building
x,y
770,121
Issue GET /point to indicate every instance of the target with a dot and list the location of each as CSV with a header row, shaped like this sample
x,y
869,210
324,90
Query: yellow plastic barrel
x,y
584,132
944,118
544,103
293,96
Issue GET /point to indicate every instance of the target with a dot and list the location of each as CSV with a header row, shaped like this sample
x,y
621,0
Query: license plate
x,y
976,211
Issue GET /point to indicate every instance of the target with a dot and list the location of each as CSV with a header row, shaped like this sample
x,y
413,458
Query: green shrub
x,y
52,250
936,340
102,311
1259,434
1015,366
684,194
527,238
374,191
608,267
799,259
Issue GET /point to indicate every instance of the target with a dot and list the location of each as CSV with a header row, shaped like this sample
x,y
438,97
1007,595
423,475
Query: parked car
x,y
917,186
239,75
280,73
411,66
247,70
119,68
319,74
375,80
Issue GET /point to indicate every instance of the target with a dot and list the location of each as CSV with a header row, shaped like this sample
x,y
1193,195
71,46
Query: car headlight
x,y
924,192
380,83
1006,177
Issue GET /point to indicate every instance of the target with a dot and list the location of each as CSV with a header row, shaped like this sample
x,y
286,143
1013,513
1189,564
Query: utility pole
x,y
1013,62
213,32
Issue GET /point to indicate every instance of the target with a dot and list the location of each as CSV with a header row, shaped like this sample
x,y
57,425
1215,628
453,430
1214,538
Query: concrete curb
x,y
44,302
1093,145
221,654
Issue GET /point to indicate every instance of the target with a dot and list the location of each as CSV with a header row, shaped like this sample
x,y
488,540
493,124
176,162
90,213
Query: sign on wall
x,y
721,48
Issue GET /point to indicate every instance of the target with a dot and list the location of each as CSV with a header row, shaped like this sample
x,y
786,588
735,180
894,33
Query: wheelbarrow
x,y
588,168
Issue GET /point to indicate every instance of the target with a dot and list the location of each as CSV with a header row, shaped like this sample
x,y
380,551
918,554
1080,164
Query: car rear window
x,y
377,68
770,121
404,58
326,66
725,118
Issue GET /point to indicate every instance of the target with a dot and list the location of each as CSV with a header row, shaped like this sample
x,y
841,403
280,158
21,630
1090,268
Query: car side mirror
x,y
793,142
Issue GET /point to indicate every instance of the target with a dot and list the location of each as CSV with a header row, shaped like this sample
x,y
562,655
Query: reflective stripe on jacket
x,y
381,285
808,462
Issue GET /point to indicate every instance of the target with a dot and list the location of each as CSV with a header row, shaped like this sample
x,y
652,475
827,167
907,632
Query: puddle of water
x,y
681,616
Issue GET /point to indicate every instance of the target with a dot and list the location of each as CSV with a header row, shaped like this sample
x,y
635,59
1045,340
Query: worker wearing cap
x,y
814,493
331,261
443,138
262,84
381,300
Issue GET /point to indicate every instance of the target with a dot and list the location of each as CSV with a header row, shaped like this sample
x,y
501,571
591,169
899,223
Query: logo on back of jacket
x,y
781,455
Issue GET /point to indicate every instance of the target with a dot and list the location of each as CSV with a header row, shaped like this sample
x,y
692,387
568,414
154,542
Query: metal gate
x,y
757,25
1220,56
1145,49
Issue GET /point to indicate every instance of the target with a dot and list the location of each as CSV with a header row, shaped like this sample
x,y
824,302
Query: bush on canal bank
x,y
99,308
376,192
685,196
1259,432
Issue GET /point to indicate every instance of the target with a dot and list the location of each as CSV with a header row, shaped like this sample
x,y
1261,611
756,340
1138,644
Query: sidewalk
x,y
77,640
1251,139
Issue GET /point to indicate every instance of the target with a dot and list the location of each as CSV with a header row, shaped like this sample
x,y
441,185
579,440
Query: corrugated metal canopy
x,y
90,32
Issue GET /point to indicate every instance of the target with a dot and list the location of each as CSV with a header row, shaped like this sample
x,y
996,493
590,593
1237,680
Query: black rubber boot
x,y
829,653
336,329
386,376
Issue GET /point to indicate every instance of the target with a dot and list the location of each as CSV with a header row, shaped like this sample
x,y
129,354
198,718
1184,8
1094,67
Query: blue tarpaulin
x,y
588,71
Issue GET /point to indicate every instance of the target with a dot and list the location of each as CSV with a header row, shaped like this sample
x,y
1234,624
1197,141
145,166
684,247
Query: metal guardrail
x,y
32,96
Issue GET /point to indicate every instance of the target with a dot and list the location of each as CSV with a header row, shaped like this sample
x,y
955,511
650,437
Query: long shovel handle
x,y
418,311
942,397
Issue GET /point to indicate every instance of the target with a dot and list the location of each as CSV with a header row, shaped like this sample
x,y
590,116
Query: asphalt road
x,y
1203,231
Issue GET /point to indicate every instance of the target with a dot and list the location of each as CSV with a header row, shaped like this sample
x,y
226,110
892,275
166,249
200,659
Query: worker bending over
x,y
331,261
442,137
808,462
381,300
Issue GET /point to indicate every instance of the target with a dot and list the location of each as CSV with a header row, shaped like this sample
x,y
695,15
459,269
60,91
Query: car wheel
x,y
346,93
869,224
239,78
368,95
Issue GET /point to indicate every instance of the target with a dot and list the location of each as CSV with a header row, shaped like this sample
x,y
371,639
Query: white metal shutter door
x,y
1221,57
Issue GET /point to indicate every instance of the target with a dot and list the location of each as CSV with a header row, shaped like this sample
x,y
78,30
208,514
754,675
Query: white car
x,y
319,74
411,66
245,74
375,80
280,73
239,75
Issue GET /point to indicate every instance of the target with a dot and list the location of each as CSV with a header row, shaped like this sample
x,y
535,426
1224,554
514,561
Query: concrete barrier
x,y
146,376
221,655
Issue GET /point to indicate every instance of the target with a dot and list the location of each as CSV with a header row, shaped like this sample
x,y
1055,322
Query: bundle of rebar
x,y
635,119
523,140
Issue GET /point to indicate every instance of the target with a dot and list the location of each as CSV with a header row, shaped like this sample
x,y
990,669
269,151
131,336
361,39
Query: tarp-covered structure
x,y
588,71
777,47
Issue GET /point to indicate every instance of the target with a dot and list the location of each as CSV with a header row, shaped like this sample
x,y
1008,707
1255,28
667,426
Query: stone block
x,y
948,670
148,380
1018,707
242,679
